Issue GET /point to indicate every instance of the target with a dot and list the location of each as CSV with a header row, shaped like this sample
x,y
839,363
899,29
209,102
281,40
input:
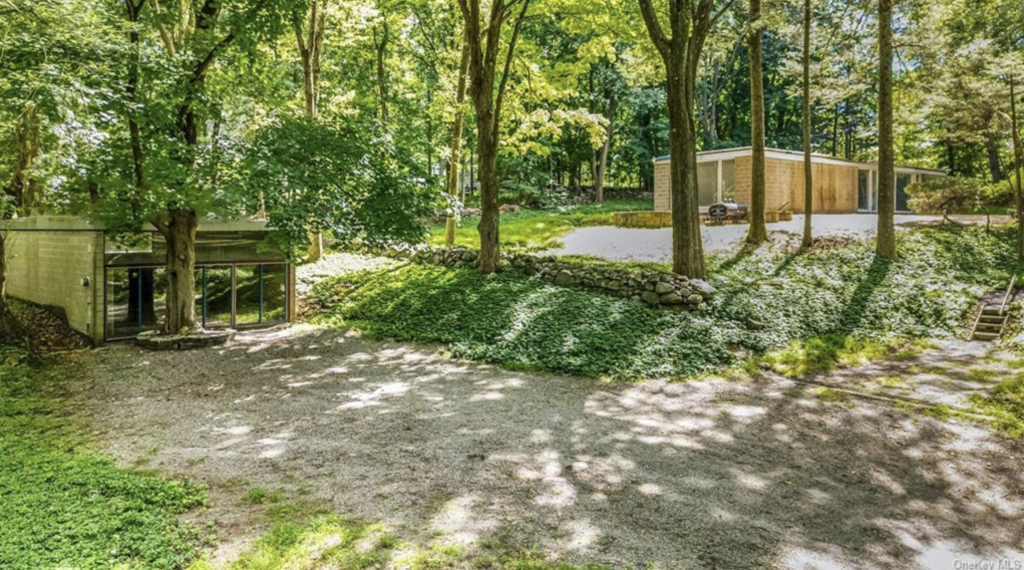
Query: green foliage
x,y
531,230
1005,404
334,176
63,506
833,304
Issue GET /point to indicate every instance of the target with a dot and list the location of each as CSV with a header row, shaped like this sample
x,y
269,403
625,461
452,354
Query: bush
x,y
954,195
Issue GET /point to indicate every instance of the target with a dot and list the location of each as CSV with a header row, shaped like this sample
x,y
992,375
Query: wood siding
x,y
835,186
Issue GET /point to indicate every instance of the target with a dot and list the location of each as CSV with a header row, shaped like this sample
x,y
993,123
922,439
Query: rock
x,y
754,324
564,278
663,287
651,298
469,255
694,299
671,299
703,288
614,285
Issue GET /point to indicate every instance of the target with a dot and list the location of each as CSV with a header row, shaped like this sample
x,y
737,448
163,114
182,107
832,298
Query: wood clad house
x,y
840,186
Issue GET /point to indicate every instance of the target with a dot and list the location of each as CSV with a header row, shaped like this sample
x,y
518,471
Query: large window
x,y
902,181
865,198
226,296
729,181
707,183
135,300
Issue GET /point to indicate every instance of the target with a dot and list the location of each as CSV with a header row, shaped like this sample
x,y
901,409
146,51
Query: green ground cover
x,y
838,300
531,230
63,506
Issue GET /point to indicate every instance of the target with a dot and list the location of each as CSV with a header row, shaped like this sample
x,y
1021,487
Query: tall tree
x,y
808,238
690,22
886,247
758,231
484,49
1018,160
455,148
309,38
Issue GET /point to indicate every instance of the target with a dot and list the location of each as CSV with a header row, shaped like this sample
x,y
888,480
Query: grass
x,y
1005,404
836,304
532,230
304,535
64,506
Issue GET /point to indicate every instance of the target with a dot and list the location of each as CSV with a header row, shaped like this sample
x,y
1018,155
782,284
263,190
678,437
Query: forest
x,y
362,119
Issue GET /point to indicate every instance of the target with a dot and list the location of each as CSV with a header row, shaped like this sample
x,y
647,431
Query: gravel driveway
x,y
708,474
623,244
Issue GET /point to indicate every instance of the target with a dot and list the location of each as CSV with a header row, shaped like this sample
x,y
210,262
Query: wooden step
x,y
992,319
990,310
985,336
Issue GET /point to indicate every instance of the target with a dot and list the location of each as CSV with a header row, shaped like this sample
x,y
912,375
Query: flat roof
x,y
727,153
83,224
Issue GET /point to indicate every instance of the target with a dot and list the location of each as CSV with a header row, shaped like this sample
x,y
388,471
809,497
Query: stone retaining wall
x,y
653,287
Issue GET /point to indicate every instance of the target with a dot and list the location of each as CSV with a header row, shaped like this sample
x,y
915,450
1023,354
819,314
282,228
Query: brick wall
x,y
48,268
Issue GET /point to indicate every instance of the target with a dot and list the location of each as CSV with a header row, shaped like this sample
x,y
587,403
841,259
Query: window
x,y
902,181
729,181
864,201
707,183
227,296
135,300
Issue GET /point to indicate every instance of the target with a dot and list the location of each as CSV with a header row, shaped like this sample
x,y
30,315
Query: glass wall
x,y
135,300
707,183
902,181
728,181
227,296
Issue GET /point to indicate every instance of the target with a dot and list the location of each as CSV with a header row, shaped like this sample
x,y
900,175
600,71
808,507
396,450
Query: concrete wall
x,y
60,269
662,186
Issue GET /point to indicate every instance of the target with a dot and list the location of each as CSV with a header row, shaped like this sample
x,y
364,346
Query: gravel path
x,y
622,244
708,474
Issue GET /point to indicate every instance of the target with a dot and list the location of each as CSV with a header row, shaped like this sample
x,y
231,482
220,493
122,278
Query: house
x,y
111,288
840,186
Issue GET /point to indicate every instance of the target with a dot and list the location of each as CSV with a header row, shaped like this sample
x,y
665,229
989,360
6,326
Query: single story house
x,y
840,186
112,289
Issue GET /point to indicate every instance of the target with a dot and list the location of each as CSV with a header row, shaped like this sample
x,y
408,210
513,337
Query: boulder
x,y
564,278
703,288
651,298
663,287
672,299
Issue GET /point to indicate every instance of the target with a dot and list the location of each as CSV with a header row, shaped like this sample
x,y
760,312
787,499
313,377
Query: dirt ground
x,y
709,474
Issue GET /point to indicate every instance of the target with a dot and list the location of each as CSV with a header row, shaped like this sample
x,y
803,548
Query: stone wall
x,y
658,288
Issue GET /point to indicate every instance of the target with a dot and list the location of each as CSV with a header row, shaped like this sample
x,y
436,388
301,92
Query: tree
x,y
690,22
758,232
484,50
310,42
1018,160
886,247
808,238
455,147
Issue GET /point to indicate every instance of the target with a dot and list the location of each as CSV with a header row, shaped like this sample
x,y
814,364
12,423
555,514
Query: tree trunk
x,y
180,233
1018,168
382,87
23,188
886,152
808,238
455,151
310,46
601,166
687,247
758,232
487,144
992,151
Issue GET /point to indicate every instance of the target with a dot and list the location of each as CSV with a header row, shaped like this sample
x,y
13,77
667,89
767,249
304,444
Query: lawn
x,y
838,295
532,230
64,506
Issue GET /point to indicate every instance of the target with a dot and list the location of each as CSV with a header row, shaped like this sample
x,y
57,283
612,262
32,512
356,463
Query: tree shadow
x,y
856,306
